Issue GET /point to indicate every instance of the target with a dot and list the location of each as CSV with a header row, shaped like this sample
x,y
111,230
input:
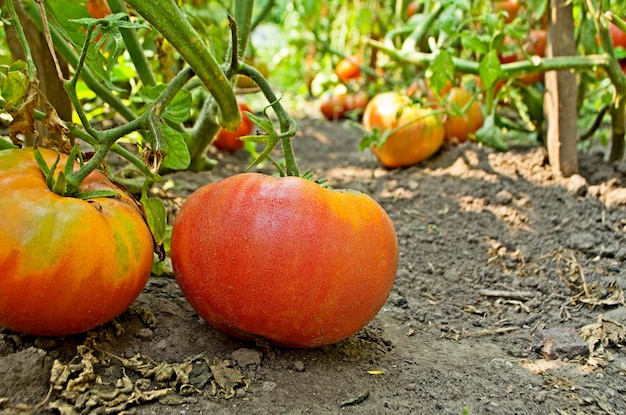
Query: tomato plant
x,y
283,259
459,127
68,264
229,140
411,133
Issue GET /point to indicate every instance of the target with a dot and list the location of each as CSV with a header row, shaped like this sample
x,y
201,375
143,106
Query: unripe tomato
x,y
420,134
348,68
246,82
283,259
459,127
67,265
229,140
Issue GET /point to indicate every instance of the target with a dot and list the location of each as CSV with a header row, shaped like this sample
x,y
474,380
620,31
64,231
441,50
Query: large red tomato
x,y
459,127
419,132
67,265
283,259
229,140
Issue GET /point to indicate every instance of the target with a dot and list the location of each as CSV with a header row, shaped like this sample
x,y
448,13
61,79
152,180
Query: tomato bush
x,y
283,259
68,265
229,140
415,132
458,128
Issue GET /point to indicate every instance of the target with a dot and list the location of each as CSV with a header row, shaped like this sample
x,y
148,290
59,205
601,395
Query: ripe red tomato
x,y
336,106
229,140
459,128
420,138
348,68
512,7
68,265
283,259
98,8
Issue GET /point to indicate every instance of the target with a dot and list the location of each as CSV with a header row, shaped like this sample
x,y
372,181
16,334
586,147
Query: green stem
x,y
243,17
288,126
262,14
19,30
135,50
420,30
167,18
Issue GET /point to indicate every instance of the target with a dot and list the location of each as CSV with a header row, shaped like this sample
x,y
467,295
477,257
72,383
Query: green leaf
x,y
490,69
64,16
472,41
179,109
490,135
263,123
155,216
13,86
177,153
440,71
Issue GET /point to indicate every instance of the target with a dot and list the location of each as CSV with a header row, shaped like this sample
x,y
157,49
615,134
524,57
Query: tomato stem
x,y
288,125
31,69
167,18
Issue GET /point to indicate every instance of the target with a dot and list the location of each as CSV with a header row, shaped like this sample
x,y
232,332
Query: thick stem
x,y
243,17
167,18
135,50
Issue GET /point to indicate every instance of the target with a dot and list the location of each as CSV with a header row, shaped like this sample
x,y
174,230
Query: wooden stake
x,y
561,92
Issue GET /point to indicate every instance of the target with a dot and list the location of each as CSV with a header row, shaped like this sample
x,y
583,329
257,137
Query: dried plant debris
x,y
602,334
99,382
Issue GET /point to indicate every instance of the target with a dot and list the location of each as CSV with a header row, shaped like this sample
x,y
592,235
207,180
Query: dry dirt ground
x,y
508,300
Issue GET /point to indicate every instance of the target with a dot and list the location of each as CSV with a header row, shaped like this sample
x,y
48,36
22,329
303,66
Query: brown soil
x,y
508,300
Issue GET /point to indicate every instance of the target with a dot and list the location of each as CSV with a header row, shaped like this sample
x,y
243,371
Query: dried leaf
x,y
227,377
603,333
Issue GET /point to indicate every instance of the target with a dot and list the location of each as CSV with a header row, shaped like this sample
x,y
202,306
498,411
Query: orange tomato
x,y
98,8
459,127
419,133
348,68
67,264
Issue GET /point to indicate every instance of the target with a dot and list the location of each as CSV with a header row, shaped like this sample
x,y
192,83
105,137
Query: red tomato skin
x,y
229,140
68,265
421,137
617,36
283,259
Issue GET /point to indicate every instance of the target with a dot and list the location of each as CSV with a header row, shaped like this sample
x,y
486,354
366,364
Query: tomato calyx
x,y
63,181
